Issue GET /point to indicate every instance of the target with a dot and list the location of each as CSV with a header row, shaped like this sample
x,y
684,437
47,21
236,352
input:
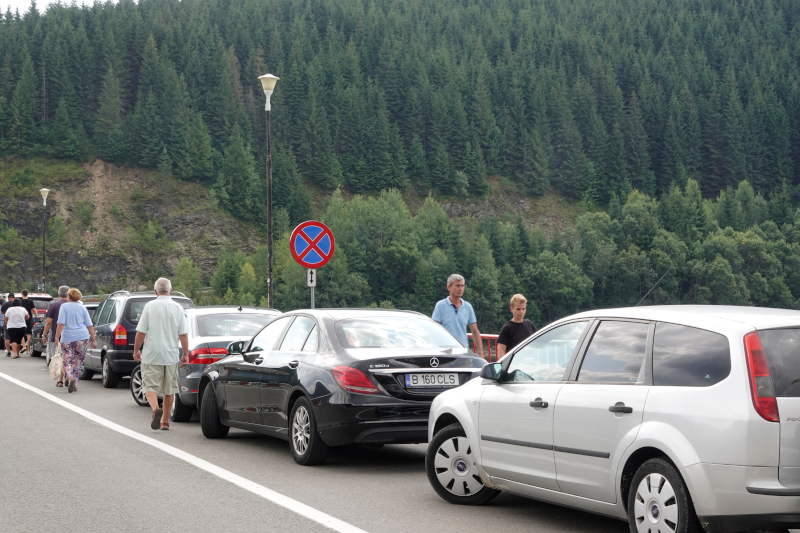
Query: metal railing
x,y
489,346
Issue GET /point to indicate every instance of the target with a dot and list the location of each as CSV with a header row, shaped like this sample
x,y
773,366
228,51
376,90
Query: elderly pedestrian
x,y
517,329
15,317
456,314
49,329
162,322
75,331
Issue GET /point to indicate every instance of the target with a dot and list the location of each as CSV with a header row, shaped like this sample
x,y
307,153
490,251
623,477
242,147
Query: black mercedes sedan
x,y
331,377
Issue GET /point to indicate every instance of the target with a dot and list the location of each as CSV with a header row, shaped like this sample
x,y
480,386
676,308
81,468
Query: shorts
x,y
15,335
28,327
162,379
51,350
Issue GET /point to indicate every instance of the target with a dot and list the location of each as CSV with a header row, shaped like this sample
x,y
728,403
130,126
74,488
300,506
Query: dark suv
x,y
115,321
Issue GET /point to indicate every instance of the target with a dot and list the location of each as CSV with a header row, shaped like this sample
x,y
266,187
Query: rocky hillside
x,y
108,227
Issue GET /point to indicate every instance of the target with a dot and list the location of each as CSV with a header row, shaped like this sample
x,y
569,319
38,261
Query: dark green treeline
x,y
594,99
739,248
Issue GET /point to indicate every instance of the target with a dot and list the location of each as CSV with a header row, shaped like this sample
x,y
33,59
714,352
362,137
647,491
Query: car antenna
x,y
651,288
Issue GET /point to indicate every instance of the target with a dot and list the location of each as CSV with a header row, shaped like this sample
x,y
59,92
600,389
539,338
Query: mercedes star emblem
x,y
434,362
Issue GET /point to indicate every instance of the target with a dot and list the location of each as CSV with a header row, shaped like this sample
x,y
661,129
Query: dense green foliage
x,y
592,99
738,249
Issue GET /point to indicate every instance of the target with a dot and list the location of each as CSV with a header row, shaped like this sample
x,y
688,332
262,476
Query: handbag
x,y
57,365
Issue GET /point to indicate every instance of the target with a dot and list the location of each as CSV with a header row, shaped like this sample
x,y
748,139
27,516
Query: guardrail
x,y
489,346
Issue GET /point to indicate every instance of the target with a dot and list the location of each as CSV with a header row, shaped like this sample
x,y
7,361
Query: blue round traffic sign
x,y
312,244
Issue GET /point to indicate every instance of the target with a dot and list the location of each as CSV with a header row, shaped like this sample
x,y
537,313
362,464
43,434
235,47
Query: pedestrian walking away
x,y
28,304
49,329
517,329
456,314
15,317
75,332
6,341
162,323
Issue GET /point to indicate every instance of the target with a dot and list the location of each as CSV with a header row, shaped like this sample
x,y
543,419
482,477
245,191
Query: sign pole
x,y
312,297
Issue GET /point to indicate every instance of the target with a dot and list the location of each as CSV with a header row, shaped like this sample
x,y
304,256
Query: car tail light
x,y
761,386
354,380
120,335
206,356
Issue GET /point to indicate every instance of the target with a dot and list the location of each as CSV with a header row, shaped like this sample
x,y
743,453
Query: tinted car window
x,y
297,334
267,337
616,353
136,306
395,332
689,357
230,324
104,310
782,348
546,357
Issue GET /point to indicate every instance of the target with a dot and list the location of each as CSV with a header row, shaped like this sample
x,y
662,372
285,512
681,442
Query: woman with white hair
x,y
75,331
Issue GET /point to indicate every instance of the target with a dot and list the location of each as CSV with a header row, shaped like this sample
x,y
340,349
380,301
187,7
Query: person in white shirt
x,y
16,323
163,321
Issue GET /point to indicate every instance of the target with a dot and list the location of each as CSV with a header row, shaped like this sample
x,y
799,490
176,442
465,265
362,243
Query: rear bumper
x,y
339,425
121,361
739,498
189,382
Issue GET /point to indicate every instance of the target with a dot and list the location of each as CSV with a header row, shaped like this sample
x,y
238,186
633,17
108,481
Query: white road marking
x,y
277,498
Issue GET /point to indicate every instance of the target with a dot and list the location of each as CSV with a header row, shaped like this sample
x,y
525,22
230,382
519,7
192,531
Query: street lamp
x,y
268,82
44,192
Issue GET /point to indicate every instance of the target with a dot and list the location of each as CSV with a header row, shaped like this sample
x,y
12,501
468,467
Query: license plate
x,y
432,379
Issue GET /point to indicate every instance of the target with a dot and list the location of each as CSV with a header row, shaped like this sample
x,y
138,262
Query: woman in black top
x,y
517,329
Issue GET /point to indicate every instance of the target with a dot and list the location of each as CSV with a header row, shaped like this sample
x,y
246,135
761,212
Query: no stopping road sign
x,y
312,244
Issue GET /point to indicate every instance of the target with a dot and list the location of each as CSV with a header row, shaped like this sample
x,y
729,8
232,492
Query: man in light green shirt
x,y
163,321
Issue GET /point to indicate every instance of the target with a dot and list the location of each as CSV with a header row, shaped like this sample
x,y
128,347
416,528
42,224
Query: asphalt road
x,y
60,471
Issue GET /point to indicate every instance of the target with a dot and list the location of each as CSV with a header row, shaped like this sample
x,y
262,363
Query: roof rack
x,y
126,292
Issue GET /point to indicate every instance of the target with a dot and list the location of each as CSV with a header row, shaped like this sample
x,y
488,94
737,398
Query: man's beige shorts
x,y
162,379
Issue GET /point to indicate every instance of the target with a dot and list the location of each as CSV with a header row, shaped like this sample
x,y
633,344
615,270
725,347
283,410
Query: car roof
x,y
717,317
216,309
174,294
32,295
339,313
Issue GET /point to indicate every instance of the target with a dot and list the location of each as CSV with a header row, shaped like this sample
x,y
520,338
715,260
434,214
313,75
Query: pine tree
x,y
66,142
108,127
22,131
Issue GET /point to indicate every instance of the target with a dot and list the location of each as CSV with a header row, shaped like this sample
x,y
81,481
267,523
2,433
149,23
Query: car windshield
x,y
230,324
136,306
409,332
41,304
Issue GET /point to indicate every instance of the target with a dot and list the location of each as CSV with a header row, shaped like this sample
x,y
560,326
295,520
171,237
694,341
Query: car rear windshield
x,y
135,307
407,332
782,347
231,324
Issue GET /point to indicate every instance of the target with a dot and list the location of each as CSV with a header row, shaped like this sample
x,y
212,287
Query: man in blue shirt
x,y
456,314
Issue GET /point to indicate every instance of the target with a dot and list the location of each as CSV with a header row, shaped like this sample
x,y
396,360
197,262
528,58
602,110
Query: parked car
x,y
211,330
38,347
670,417
332,377
115,323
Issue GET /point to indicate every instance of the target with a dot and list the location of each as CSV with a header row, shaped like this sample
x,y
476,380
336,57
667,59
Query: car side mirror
x,y
236,347
492,371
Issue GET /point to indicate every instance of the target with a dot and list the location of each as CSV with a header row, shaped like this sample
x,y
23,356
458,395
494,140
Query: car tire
x,y
658,499
450,466
212,426
136,387
87,373
180,411
305,443
109,378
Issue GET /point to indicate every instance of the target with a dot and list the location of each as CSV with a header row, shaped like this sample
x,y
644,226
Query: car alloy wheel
x,y
136,387
454,466
301,430
656,507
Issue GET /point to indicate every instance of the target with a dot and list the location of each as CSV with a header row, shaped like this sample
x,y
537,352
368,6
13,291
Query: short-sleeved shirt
x,y
76,322
455,320
5,306
52,312
162,320
16,317
513,333
28,304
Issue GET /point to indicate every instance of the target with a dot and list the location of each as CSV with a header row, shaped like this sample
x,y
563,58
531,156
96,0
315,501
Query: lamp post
x,y
44,192
268,82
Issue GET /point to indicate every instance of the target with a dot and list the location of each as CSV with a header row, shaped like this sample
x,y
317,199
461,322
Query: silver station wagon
x,y
674,418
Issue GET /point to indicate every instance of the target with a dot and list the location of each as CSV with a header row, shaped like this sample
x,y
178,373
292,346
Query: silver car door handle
x,y
538,403
620,407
